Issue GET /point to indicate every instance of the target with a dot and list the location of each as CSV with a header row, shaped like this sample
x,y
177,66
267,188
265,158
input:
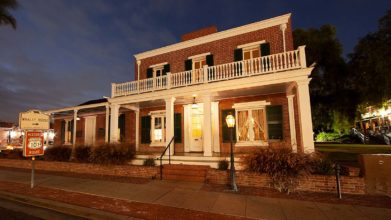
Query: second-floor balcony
x,y
208,74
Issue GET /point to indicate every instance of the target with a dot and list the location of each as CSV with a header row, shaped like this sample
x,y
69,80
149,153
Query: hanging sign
x,y
33,119
33,144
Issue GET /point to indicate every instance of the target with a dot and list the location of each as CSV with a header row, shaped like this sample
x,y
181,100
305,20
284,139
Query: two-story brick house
x,y
188,88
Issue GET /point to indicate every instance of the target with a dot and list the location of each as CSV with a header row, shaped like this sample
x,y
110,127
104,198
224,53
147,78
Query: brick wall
x,y
312,183
82,168
199,33
223,50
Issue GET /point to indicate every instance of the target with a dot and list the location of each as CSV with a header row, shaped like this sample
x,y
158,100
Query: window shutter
x,y
265,49
146,129
274,121
238,54
149,73
62,131
166,69
121,126
225,129
188,64
178,127
209,60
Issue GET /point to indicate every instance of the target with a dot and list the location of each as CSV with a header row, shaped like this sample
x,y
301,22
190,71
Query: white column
x,y
207,126
283,28
170,123
137,121
292,128
66,132
114,123
304,104
74,127
107,124
138,75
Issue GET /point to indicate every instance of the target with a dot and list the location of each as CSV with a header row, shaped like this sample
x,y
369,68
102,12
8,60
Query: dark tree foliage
x,y
332,96
5,17
370,64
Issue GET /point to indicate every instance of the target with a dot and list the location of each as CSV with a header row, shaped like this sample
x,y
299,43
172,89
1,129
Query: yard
x,y
349,153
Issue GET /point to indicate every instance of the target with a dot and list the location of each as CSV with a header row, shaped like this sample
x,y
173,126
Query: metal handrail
x,y
169,157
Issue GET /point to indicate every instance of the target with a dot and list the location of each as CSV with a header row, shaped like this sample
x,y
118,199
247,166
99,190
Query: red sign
x,y
33,144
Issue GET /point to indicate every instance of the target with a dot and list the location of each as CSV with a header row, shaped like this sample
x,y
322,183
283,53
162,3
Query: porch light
x,y
194,105
230,119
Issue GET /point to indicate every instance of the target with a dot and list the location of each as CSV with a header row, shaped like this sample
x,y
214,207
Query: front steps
x,y
192,173
187,160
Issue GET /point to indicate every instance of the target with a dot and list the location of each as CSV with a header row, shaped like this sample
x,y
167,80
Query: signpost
x,y
34,122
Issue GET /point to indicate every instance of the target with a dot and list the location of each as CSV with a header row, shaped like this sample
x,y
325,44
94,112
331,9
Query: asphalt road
x,y
13,210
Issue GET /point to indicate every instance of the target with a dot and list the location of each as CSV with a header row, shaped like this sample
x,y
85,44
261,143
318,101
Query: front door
x,y
89,138
196,122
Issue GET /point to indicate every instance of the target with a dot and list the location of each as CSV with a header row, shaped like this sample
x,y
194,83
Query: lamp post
x,y
230,119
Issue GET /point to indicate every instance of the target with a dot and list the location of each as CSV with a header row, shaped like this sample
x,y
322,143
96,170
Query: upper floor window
x,y
199,61
251,50
158,70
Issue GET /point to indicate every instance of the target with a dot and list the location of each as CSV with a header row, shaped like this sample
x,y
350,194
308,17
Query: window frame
x,y
154,115
249,107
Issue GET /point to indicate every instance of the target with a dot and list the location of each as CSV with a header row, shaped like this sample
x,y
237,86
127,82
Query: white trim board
x,y
283,19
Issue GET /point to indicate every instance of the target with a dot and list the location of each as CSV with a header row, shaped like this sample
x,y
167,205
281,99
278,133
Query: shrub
x,y
150,162
58,153
223,165
12,154
82,153
322,166
324,136
111,154
281,165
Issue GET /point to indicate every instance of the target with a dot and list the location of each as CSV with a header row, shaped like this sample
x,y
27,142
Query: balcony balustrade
x,y
246,68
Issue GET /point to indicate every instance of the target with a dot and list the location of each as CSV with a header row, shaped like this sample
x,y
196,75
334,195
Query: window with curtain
x,y
251,123
158,128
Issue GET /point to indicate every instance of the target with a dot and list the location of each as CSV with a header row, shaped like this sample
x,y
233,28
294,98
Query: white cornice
x,y
283,19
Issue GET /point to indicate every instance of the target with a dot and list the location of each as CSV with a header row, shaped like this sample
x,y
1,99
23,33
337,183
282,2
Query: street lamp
x,y
230,119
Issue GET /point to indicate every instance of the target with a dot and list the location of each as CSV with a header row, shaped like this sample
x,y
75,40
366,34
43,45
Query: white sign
x,y
34,119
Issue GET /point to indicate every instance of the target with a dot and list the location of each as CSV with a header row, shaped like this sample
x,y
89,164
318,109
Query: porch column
x,y
114,123
292,127
304,104
107,124
66,138
137,113
207,126
74,127
170,123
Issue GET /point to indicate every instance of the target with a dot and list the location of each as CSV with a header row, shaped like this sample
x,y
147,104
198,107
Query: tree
x,y
331,94
370,65
5,17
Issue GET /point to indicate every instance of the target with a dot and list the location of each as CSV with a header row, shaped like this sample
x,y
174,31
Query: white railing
x,y
262,65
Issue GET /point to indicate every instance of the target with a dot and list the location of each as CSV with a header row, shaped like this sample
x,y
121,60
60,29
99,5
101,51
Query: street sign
x,y
34,119
33,144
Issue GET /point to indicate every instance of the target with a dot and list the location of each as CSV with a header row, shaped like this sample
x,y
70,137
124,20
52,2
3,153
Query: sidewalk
x,y
182,198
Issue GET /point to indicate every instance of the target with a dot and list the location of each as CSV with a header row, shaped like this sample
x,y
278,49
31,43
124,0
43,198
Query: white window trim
x,y
248,106
251,45
158,64
157,114
199,56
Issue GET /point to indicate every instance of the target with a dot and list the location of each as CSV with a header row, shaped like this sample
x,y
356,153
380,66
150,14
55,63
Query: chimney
x,y
199,33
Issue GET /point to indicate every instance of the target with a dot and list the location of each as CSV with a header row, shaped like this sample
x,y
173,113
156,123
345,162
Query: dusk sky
x,y
65,52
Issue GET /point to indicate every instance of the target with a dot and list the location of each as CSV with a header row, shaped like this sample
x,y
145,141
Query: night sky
x,y
65,52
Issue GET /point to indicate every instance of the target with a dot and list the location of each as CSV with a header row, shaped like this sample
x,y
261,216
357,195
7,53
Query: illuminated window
x,y
158,128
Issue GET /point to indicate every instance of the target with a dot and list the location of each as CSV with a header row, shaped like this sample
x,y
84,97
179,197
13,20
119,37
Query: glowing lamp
x,y
230,119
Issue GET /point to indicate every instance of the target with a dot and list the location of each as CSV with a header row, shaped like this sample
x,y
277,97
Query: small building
x,y
185,91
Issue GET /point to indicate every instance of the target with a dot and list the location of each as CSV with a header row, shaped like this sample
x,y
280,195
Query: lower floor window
x,y
158,127
251,125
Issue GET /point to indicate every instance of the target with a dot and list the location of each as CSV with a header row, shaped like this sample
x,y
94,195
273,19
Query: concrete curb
x,y
65,208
